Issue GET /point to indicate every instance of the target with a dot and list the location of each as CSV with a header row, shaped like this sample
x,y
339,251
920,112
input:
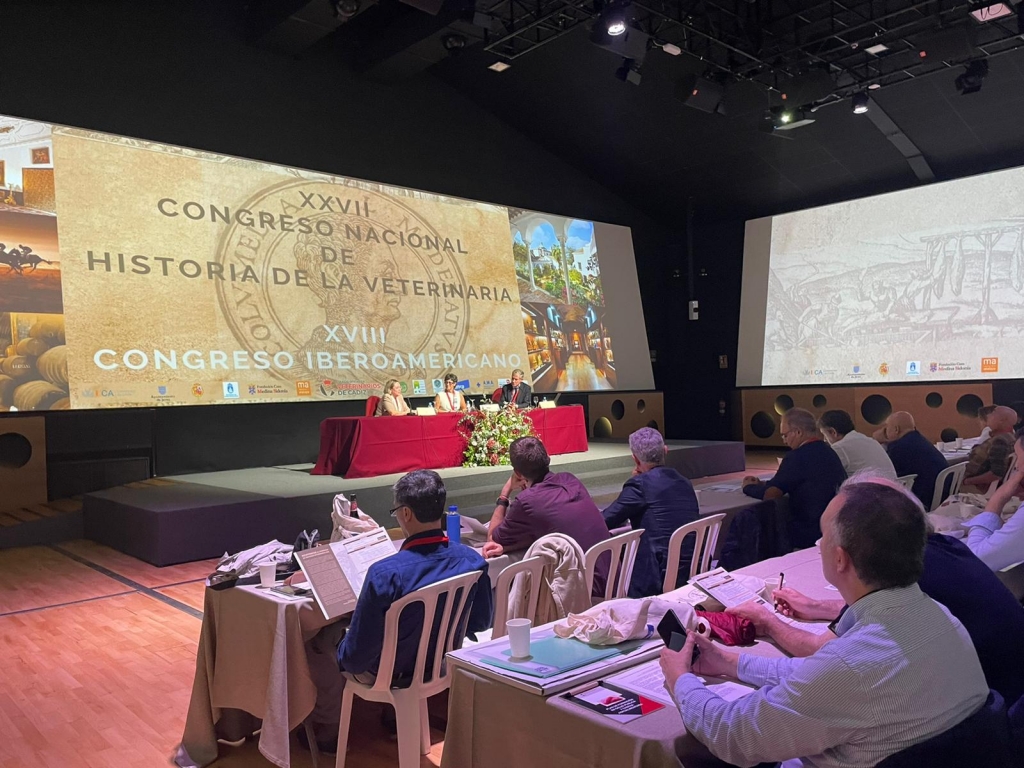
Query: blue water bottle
x,y
454,525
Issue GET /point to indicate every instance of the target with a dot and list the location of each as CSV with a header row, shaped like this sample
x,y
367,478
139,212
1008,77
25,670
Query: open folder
x,y
336,572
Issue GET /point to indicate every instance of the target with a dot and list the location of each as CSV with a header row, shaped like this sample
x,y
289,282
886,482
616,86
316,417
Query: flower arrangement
x,y
488,435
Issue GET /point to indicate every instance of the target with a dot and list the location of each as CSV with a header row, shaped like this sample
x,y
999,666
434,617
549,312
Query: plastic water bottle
x,y
454,525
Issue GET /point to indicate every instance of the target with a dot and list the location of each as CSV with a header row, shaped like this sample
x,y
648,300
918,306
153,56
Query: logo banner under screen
x,y
135,274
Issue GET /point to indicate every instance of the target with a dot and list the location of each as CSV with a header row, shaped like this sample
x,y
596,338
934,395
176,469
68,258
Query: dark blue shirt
x,y
912,454
659,501
391,579
810,476
993,618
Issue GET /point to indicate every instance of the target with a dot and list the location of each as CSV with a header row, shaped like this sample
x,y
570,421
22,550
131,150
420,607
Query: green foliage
x,y
488,435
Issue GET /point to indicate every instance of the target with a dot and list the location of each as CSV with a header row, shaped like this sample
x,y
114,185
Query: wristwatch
x,y
501,502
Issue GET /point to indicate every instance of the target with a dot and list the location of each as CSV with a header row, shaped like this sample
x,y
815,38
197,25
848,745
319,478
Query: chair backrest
x,y
981,739
531,568
623,550
705,531
496,396
371,404
907,481
955,477
458,593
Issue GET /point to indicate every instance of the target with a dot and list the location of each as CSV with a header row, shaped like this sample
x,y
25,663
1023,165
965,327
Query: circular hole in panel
x,y
875,409
762,425
948,435
15,450
618,410
933,400
783,403
602,427
641,406
968,405
820,401
653,425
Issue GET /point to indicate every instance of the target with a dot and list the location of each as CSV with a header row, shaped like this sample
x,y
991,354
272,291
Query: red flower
x,y
494,459
491,443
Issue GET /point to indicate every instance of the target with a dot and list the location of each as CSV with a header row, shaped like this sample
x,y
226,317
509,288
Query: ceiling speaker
x,y
700,93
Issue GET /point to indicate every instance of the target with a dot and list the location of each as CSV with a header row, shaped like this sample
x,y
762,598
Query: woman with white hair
x,y
659,500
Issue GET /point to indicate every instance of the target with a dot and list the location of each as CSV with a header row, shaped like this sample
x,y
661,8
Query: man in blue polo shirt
x,y
809,474
912,454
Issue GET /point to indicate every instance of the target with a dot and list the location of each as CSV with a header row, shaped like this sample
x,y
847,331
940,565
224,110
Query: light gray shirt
x,y
901,671
999,545
858,452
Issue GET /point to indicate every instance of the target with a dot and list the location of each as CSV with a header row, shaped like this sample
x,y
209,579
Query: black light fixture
x,y
788,118
614,18
859,103
346,9
973,77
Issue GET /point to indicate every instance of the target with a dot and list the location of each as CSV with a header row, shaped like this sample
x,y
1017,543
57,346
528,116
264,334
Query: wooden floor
x,y
98,653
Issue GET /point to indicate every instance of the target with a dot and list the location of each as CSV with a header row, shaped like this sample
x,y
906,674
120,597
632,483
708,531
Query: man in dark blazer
x,y
659,500
516,391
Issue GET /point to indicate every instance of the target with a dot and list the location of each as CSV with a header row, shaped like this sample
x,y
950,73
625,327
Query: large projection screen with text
x,y
135,274
914,286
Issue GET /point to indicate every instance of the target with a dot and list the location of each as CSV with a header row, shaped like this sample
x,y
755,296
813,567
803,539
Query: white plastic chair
x,y
411,703
706,531
956,473
907,481
1010,464
531,568
623,550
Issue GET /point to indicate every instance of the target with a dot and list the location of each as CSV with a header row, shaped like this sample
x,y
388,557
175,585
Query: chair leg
x,y
424,728
311,738
347,698
407,717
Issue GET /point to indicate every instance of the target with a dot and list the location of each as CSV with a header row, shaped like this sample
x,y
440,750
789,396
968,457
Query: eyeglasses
x,y
393,510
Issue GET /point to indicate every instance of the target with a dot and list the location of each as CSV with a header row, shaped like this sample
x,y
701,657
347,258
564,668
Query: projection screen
x,y
134,273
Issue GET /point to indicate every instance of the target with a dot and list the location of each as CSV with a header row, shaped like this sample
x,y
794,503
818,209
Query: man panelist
x,y
516,392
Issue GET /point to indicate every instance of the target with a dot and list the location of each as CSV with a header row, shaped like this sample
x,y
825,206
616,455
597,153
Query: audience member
x,y
900,671
546,502
657,499
450,400
983,413
516,392
988,460
810,474
857,452
999,544
912,454
952,576
392,403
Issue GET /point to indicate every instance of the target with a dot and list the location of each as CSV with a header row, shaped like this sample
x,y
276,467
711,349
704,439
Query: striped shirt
x,y
901,670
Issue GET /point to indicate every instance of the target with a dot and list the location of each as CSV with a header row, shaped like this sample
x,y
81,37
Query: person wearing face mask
x,y
855,450
516,392
451,399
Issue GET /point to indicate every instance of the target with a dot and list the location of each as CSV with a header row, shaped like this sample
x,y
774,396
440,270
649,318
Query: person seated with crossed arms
x,y
392,403
451,399
998,544
952,576
900,670
516,393
987,461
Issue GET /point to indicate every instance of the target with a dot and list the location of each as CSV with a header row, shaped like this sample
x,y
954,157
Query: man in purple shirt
x,y
547,502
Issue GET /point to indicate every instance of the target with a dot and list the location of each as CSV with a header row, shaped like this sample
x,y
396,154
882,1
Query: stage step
x,y
53,521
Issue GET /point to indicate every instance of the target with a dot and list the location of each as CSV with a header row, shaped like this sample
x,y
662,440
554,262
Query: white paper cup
x,y
268,574
959,443
941,446
770,585
519,637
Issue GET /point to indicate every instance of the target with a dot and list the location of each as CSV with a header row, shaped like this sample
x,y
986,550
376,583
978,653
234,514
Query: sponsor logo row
x,y
918,368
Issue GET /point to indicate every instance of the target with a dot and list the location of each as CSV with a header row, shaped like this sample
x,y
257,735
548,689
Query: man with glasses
x,y
516,392
809,474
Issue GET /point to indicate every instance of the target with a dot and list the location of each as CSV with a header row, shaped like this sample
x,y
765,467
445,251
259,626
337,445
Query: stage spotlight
x,y
787,118
614,19
453,42
346,9
859,103
973,77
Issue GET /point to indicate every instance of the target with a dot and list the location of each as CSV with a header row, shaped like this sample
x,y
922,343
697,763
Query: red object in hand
x,y
728,628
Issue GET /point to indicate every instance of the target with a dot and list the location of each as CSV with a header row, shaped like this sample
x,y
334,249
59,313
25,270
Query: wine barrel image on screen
x,y
19,367
31,347
7,387
37,396
53,366
50,330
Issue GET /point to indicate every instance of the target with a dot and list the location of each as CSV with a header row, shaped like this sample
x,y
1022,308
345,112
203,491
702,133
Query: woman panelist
x,y
450,400
392,404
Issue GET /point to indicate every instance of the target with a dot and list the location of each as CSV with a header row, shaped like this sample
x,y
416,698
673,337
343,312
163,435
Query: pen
x,y
782,580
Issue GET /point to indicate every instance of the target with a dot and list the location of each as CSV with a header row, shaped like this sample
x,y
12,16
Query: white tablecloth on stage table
x,y
487,719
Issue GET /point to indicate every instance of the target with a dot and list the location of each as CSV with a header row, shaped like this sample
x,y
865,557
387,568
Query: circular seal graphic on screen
x,y
327,282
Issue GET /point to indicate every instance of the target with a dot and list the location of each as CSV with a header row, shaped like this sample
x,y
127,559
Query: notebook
x,y
552,656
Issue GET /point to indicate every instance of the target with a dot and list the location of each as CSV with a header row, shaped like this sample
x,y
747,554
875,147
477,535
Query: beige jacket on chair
x,y
565,579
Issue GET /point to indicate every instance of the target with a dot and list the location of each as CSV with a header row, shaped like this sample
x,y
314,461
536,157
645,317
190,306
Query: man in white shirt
x,y
900,671
857,452
997,544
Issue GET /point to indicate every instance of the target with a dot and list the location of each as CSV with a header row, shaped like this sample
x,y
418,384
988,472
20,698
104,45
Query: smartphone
x,y
290,591
672,631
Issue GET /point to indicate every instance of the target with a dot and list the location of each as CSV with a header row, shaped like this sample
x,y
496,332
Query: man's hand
x,y
758,614
797,605
750,480
675,664
493,549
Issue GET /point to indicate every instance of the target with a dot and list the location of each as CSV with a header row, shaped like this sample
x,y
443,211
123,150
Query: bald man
x,y
912,454
989,461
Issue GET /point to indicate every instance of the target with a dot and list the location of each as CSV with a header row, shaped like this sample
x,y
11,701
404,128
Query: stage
x,y
169,520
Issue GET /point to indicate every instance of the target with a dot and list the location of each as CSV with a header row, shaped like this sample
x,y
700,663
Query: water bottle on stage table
x,y
454,525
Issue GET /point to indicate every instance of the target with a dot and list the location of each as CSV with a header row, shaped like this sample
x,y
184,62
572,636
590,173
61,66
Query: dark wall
x,y
183,74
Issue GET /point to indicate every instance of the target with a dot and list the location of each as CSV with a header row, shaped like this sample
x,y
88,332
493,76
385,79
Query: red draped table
x,y
367,446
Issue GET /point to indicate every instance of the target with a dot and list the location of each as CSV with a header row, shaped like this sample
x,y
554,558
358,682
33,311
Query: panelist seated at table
x,y
659,500
392,403
912,454
900,671
952,576
450,400
987,461
546,502
516,392
998,544
857,451
809,474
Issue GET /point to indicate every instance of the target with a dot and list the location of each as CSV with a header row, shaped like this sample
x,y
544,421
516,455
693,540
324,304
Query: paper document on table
x,y
721,585
358,553
815,627
646,679
336,572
